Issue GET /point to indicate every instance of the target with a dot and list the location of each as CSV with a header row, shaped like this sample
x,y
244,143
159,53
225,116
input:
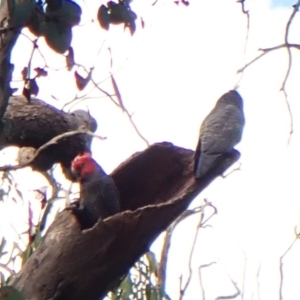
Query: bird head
x,y
232,97
83,118
83,165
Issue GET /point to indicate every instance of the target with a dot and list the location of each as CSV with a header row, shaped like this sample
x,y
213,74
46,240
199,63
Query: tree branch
x,y
8,39
54,141
155,187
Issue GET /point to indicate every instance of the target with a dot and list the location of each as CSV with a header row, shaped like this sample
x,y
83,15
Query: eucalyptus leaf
x,y
2,245
152,262
58,36
69,13
103,17
22,12
126,287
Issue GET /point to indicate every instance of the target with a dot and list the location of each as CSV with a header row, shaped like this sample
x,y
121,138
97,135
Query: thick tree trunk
x,y
155,186
8,37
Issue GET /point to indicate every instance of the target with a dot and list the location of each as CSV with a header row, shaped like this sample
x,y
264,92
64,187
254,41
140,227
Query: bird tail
x,y
205,163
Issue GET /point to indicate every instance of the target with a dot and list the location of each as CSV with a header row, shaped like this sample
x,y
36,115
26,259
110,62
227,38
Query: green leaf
x,y
103,17
37,23
2,245
70,58
69,13
152,262
58,36
41,72
37,239
2,279
21,12
151,293
117,12
10,293
126,286
25,255
81,81
117,92
60,19
54,5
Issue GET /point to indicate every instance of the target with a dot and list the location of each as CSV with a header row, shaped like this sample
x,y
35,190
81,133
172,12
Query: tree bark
x,y
8,37
155,186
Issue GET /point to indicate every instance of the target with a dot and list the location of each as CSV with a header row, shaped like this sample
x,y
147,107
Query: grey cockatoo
x,y
220,131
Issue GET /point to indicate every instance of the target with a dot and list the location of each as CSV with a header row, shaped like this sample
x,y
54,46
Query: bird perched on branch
x,y
36,123
99,197
220,131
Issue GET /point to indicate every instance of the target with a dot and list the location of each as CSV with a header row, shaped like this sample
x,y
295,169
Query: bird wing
x,y
110,196
221,129
197,156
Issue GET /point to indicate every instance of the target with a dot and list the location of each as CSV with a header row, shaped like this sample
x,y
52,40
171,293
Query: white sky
x,y
171,75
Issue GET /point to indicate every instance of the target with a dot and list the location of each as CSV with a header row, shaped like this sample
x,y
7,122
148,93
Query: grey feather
x,y
83,118
220,131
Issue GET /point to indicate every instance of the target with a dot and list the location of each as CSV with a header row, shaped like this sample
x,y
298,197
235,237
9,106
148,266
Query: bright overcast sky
x,y
172,73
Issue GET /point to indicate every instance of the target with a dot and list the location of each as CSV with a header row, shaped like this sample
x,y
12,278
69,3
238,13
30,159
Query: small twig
x,y
114,83
110,96
200,277
258,285
238,291
246,12
49,177
252,61
281,262
154,3
244,271
287,103
215,211
283,87
162,267
6,268
180,285
35,47
17,245
167,243
183,290
80,130
229,297
50,201
78,100
233,170
288,46
266,51
169,232
124,110
135,127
